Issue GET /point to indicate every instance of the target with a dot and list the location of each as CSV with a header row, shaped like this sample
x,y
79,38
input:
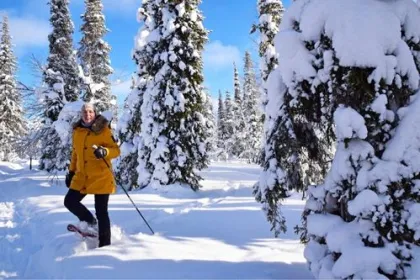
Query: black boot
x,y
104,239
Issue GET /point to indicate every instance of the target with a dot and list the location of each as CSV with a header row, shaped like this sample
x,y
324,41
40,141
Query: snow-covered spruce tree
x,y
211,132
270,14
61,84
172,140
281,166
28,146
251,111
12,121
129,125
221,129
94,56
297,137
239,119
229,125
362,221
128,130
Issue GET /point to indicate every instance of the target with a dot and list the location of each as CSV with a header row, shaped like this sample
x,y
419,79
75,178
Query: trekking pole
x,y
95,147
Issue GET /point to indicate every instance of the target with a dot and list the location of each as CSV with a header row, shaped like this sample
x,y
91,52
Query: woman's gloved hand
x,y
69,177
100,152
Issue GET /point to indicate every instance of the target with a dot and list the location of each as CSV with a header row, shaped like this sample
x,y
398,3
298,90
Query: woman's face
x,y
88,115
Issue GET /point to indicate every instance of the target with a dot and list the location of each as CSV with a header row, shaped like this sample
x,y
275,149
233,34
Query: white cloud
x,y
28,31
217,55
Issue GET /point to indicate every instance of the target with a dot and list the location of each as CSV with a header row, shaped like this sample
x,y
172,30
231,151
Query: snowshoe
x,y
84,232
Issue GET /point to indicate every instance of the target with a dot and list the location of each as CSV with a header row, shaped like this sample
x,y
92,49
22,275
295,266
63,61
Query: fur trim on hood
x,y
97,126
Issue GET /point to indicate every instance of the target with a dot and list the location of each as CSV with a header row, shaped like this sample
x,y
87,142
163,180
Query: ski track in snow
x,y
219,232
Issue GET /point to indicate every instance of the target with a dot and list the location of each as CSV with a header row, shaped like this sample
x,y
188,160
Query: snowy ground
x,y
219,232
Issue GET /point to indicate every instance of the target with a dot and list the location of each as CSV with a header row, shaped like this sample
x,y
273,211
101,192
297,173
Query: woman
x,y
90,170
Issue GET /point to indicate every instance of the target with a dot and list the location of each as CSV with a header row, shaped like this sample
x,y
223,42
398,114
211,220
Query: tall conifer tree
x,y
370,193
270,14
94,56
221,130
129,125
211,131
61,84
229,125
251,111
12,121
239,119
173,130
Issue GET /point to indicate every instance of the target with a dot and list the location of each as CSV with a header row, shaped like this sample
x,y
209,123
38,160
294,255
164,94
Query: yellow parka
x,y
92,175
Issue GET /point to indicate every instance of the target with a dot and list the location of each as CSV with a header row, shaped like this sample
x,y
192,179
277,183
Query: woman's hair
x,y
89,105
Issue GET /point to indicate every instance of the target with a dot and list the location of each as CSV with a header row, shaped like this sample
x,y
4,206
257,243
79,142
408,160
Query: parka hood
x,y
97,126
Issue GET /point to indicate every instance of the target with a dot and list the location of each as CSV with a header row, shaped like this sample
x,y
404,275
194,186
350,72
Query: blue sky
x,y
228,20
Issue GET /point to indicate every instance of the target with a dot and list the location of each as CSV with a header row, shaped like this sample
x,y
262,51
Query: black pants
x,y
72,202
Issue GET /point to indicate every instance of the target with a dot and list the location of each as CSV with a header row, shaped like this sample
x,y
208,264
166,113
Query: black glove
x,y
69,177
100,152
